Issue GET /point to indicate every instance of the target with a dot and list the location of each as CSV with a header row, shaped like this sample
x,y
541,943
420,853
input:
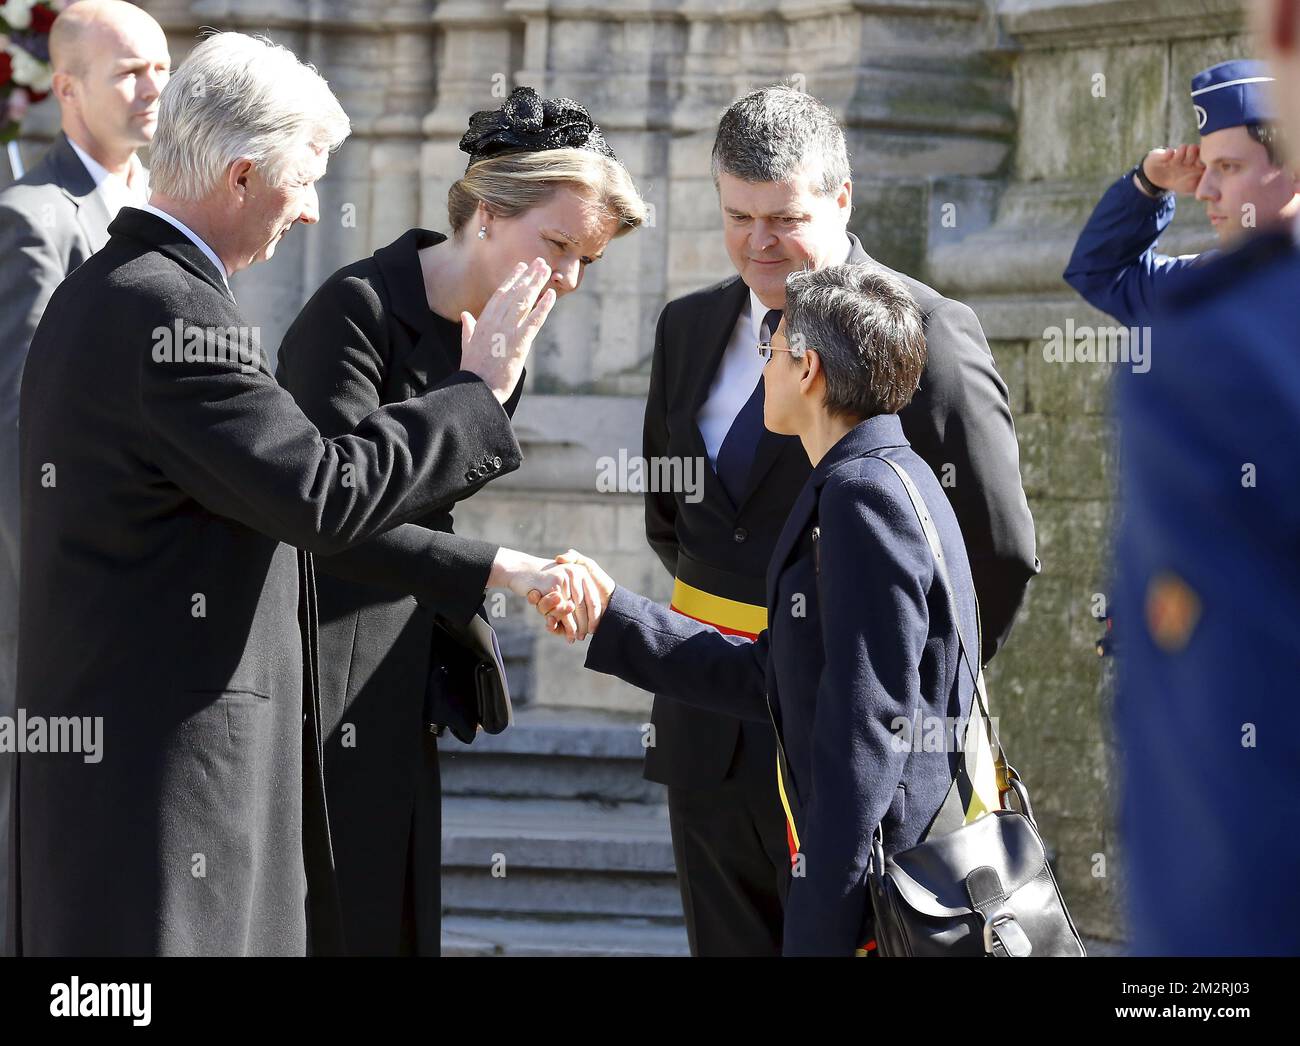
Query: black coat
x,y
861,633
163,592
366,338
959,417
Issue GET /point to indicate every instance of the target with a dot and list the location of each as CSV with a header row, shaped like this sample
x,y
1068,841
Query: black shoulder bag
x,y
978,883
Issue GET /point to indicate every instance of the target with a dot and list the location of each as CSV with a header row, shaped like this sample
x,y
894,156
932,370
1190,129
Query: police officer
x,y
1235,171
1209,593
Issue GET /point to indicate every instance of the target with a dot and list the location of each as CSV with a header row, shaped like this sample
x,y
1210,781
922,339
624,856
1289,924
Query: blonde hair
x,y
510,184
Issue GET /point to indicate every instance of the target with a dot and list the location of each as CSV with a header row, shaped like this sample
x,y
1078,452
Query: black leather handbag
x,y
466,689
979,882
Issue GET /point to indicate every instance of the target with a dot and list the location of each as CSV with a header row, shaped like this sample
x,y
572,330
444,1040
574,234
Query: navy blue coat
x,y
1115,266
849,649
1208,613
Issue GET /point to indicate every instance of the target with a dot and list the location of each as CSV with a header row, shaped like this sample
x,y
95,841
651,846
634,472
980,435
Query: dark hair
x,y
772,133
1269,137
868,331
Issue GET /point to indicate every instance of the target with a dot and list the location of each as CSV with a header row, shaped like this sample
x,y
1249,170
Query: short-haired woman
x,y
862,638
541,183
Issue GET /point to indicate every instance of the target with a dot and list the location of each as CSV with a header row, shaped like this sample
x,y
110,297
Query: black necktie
x,y
736,455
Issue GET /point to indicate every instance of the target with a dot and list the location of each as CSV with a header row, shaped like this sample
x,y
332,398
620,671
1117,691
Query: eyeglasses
x,y
765,349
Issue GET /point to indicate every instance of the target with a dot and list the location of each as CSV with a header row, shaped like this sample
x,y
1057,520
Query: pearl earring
x,y
482,232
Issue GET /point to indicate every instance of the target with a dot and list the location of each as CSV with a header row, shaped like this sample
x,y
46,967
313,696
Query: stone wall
x,y
979,142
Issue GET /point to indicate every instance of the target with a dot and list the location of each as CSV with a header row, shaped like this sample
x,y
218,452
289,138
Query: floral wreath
x,y
25,72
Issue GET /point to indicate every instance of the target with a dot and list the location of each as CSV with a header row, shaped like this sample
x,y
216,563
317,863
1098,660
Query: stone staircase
x,y
553,844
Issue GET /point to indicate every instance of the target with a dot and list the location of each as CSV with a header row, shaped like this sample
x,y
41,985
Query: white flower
x,y
18,13
30,72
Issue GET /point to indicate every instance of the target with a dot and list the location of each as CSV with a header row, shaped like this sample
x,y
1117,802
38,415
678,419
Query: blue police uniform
x,y
1208,612
1115,265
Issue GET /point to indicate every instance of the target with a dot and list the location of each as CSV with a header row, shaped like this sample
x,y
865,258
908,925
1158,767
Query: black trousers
x,y
729,844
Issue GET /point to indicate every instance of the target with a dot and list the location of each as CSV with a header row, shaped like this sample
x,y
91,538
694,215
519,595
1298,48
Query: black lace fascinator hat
x,y
529,123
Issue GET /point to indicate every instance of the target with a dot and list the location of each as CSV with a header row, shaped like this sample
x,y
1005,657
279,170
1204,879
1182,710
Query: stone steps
x,y
554,845
474,936
553,753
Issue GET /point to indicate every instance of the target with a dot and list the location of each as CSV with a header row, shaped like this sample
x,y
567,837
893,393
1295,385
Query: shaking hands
x,y
570,591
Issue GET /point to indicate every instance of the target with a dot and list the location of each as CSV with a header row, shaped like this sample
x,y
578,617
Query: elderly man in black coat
x,y
165,479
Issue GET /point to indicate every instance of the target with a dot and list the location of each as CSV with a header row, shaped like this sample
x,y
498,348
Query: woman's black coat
x,y
367,337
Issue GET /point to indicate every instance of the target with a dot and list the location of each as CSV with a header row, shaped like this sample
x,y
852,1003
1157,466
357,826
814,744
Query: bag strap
x,y
952,813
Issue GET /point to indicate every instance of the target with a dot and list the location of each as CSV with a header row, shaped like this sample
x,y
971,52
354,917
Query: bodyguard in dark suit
x,y
861,644
783,177
166,478
53,219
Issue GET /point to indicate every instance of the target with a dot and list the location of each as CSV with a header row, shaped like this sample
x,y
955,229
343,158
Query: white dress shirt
x,y
211,254
739,371
113,189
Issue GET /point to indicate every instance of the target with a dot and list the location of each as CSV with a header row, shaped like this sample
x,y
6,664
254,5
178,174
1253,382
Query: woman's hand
x,y
571,595
597,587
495,346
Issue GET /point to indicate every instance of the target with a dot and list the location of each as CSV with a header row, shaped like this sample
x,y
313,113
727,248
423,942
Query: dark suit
x,y
860,632
717,769
161,501
367,338
51,220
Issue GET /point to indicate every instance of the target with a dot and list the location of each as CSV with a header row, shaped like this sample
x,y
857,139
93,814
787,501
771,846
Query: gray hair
x,y
774,132
868,331
239,96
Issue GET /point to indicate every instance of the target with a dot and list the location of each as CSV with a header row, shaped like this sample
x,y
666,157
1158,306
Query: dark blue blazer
x,y
860,639
1115,265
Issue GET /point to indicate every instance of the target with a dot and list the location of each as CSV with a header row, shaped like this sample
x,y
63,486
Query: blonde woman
x,y
541,183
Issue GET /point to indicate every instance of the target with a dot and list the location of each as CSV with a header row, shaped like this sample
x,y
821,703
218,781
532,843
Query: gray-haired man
x,y
782,172
166,478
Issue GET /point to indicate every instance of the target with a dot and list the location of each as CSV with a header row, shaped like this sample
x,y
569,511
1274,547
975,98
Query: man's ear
x,y
63,87
845,197
238,176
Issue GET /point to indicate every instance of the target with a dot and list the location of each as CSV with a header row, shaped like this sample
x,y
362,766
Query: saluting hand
x,y
1177,170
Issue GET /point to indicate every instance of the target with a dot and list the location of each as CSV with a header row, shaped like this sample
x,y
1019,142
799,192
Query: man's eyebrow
x,y
785,213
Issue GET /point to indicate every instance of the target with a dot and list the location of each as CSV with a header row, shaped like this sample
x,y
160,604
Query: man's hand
x,y
1176,170
572,597
597,587
496,345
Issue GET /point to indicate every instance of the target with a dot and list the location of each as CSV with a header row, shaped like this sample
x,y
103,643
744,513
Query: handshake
x,y
570,591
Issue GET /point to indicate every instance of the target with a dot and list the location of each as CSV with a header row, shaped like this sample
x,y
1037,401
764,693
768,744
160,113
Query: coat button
x,y
496,463
471,475
740,534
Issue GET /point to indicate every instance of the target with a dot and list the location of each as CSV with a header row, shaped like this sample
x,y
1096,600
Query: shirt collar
x,y
757,313
211,254
98,172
